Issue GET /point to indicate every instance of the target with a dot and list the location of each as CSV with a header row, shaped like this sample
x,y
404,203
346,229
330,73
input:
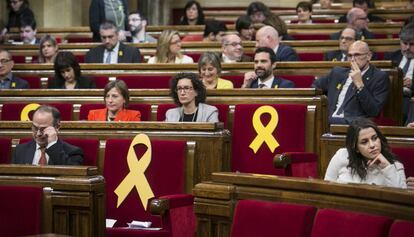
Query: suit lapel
x,y
29,154
276,82
352,90
121,53
340,85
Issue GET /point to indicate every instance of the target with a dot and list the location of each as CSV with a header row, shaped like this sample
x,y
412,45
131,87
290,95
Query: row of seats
x,y
262,218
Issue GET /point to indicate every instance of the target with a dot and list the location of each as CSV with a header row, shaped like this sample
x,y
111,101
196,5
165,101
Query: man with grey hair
x,y
357,19
267,36
112,51
232,49
7,79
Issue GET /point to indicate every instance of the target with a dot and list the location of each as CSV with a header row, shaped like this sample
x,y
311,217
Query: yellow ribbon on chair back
x,y
136,176
24,115
264,133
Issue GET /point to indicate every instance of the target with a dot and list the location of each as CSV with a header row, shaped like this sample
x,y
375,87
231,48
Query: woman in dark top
x,y
68,73
193,14
18,10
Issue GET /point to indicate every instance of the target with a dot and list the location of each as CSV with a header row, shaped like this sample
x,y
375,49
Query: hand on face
x,y
249,77
356,74
380,160
48,135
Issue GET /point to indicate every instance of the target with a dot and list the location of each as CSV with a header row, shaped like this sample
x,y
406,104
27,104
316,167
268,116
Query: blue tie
x,y
108,58
406,66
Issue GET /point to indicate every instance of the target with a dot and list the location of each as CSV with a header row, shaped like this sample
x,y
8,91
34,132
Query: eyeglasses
x,y
356,55
186,89
4,60
234,44
346,38
37,129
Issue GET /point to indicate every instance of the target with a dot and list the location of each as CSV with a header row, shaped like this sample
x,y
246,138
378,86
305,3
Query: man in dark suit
x,y
46,148
348,36
356,19
262,77
268,36
232,49
7,79
28,31
112,51
357,92
365,5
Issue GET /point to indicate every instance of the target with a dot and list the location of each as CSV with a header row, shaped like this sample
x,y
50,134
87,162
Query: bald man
x,y
358,91
268,37
356,19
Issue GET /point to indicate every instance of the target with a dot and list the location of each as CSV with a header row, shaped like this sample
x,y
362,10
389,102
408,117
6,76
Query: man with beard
x,y
112,51
359,91
137,24
232,49
262,77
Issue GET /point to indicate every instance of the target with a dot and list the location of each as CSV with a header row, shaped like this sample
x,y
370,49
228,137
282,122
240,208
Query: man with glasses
x,y
7,79
232,49
112,51
358,91
46,148
137,24
348,36
365,5
357,19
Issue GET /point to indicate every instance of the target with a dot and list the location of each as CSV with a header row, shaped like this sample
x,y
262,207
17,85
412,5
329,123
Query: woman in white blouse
x,y
169,49
366,158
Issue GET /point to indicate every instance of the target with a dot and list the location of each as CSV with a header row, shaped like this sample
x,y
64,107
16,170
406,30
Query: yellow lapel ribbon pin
x,y
265,133
13,85
120,53
339,86
136,177
24,115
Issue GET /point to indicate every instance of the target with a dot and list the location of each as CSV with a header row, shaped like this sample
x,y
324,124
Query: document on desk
x,y
144,225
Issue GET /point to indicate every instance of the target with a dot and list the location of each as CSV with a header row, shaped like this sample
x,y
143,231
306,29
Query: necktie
x,y
42,160
343,59
347,95
406,66
262,85
108,58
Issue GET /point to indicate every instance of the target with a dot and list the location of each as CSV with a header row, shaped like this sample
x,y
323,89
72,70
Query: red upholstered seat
x,y
402,228
80,58
34,82
262,218
329,222
194,56
12,111
301,81
21,212
189,38
79,39
147,82
162,109
101,81
165,175
236,79
406,157
289,133
24,59
310,56
90,149
311,36
144,109
5,150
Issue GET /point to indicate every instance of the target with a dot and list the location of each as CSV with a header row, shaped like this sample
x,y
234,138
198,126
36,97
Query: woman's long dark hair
x,y
357,162
65,60
200,18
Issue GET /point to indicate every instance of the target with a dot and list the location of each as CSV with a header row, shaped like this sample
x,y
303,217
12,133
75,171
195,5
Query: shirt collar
x,y
48,145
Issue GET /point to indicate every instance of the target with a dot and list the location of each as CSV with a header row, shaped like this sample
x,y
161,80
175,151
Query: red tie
x,y
42,160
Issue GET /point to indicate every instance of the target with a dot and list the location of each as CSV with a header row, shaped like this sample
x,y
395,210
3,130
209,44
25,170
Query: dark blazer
x,y
129,54
286,53
277,83
367,103
61,153
372,18
18,83
97,16
396,58
15,18
364,34
333,56
83,83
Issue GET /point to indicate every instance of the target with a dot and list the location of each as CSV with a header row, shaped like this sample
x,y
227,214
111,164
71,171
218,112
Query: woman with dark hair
x,y
258,12
189,94
18,10
193,14
68,73
304,12
116,97
245,28
366,159
48,49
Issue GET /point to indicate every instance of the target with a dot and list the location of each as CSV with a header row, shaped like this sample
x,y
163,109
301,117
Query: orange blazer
x,y
123,115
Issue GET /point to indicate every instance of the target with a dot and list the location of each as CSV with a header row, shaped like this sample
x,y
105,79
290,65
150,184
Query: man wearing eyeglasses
x,y
348,36
357,19
46,148
7,79
137,24
232,49
358,91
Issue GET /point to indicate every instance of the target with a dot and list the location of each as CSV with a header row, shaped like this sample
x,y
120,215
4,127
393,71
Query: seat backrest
x,y
310,56
34,82
301,81
162,109
329,222
144,109
21,212
5,150
402,228
165,175
90,149
13,111
101,81
146,82
289,134
262,218
406,157
236,79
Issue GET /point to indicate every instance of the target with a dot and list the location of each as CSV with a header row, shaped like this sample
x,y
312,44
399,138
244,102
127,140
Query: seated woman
x,y
304,11
193,14
214,31
245,28
366,158
68,73
209,67
48,49
169,49
189,94
116,97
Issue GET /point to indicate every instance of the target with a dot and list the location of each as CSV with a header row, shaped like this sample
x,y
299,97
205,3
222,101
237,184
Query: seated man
x,y
360,91
7,79
28,31
262,77
112,51
365,5
137,24
268,37
348,36
46,148
232,49
214,30
356,19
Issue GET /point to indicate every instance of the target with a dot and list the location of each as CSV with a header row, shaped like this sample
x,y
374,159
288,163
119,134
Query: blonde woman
x,y
168,49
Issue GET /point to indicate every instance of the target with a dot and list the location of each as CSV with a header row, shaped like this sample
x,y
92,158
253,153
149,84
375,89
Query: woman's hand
x,y
380,160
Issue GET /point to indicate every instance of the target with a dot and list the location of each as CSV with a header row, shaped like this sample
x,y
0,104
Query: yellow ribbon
x,y
24,115
264,133
136,177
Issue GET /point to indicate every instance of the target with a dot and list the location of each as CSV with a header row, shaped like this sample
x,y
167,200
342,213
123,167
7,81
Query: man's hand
x,y
51,134
249,77
408,82
356,75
